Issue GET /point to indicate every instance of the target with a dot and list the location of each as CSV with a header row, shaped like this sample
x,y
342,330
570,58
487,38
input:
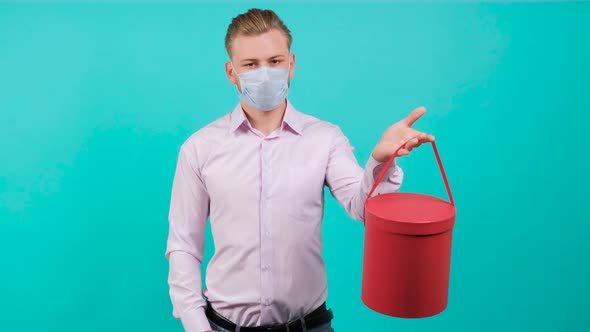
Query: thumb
x,y
415,115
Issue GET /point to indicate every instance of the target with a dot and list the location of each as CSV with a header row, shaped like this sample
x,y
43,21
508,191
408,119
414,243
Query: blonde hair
x,y
255,22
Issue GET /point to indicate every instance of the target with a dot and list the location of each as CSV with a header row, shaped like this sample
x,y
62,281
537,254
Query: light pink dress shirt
x,y
264,197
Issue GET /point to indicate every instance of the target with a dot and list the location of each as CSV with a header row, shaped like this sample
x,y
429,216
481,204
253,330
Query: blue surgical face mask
x,y
264,88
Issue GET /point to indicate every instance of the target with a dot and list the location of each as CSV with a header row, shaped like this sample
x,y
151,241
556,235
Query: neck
x,y
265,122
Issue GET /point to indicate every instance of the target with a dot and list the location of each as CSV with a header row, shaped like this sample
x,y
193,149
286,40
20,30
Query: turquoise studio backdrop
x,y
95,100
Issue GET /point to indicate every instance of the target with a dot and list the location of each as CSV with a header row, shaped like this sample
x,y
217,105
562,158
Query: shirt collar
x,y
237,118
292,118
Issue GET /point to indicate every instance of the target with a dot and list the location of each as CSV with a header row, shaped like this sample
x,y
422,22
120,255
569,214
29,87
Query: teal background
x,y
95,100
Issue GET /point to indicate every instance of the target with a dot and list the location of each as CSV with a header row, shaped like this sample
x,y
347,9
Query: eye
x,y
249,65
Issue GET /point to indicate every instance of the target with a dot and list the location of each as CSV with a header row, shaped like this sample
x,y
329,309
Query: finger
x,y
409,134
420,137
415,115
425,138
403,152
412,143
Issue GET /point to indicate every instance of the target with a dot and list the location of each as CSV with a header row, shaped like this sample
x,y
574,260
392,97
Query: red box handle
x,y
440,166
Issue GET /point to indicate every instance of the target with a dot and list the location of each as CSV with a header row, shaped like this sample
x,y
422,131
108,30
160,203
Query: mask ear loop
x,y
234,69
289,72
238,76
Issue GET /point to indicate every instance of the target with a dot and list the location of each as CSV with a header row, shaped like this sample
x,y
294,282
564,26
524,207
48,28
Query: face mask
x,y
264,88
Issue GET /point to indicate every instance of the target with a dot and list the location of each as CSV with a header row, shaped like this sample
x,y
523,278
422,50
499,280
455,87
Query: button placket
x,y
265,225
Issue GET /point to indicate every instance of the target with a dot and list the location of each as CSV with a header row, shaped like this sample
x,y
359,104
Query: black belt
x,y
312,320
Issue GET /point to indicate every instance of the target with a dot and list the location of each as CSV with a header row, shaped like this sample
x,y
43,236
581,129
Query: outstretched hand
x,y
401,134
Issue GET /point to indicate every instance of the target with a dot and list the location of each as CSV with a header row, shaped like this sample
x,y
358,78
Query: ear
x,y
292,63
229,72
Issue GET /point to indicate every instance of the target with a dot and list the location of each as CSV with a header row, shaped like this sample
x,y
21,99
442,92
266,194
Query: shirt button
x,y
267,302
267,233
265,268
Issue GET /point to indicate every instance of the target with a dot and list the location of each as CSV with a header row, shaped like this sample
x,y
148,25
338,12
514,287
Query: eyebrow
x,y
255,60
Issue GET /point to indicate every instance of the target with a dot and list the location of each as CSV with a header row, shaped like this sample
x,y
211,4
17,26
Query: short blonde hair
x,y
255,22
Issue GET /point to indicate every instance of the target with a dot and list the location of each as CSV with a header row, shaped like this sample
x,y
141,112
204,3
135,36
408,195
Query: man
x,y
258,174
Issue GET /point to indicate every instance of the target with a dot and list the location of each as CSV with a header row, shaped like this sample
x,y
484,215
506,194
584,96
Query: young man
x,y
258,173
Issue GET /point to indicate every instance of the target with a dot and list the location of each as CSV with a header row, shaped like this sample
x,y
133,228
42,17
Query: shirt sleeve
x,y
189,210
349,183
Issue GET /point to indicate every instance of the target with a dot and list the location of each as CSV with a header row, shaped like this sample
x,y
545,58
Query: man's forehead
x,y
260,47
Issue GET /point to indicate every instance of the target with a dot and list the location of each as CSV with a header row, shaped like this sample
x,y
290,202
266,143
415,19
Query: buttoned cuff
x,y
195,320
375,167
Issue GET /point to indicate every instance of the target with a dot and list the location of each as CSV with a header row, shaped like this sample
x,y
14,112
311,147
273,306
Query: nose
x,y
265,75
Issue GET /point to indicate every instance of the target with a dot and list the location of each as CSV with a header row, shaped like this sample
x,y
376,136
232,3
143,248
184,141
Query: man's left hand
x,y
400,134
